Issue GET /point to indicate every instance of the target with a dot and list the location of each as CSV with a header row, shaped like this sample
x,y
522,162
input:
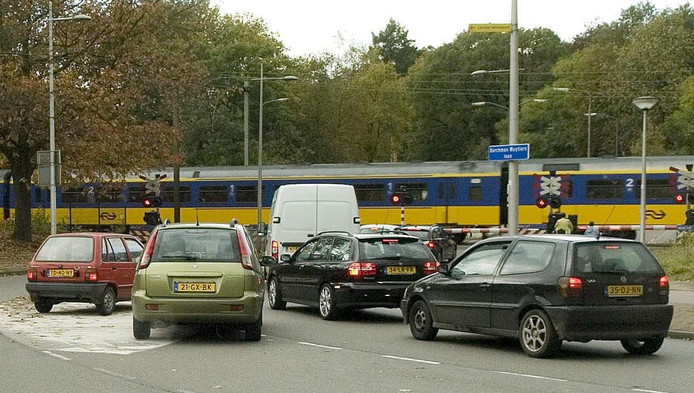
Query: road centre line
x,y
530,376
410,359
55,355
318,345
648,391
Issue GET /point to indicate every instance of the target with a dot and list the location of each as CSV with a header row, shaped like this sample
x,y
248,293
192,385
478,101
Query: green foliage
x,y
677,259
393,46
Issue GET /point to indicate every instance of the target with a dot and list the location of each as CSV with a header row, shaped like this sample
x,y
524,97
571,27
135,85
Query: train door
x,y
503,195
447,194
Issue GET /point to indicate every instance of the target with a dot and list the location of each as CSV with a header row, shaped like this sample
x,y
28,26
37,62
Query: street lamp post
x,y
51,111
260,136
483,103
644,103
590,113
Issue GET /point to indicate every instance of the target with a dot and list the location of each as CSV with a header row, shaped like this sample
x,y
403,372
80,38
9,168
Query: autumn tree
x,y
393,46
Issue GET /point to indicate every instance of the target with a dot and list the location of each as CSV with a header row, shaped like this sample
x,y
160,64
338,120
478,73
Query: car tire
x,y
108,302
274,295
253,330
421,322
141,330
537,335
642,347
43,306
326,303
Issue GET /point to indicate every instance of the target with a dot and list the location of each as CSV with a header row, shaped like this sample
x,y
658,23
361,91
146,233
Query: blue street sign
x,y
509,152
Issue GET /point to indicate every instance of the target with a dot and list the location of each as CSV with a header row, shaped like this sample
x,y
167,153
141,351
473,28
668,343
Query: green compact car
x,y
199,273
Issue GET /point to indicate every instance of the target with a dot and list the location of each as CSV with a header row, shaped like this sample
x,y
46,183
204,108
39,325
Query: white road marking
x,y
55,355
648,391
318,345
530,376
410,359
111,373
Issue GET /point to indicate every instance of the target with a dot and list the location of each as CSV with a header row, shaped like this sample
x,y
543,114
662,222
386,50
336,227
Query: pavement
x,y
682,298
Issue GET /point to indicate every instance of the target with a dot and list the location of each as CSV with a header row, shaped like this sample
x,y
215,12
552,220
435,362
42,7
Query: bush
x,y
678,259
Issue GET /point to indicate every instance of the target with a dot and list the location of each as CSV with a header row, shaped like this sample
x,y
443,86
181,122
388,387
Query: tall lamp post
x,y
590,113
483,103
644,103
260,136
51,113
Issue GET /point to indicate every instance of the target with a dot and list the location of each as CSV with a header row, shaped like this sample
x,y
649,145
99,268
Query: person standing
x,y
563,225
591,231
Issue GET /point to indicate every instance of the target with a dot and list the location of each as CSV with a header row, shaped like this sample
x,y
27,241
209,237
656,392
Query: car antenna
x,y
605,223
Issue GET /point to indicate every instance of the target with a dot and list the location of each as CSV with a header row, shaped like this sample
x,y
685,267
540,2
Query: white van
x,y
301,211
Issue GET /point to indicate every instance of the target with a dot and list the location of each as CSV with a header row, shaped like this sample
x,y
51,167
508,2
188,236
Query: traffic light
x,y
553,201
401,198
679,198
152,218
152,201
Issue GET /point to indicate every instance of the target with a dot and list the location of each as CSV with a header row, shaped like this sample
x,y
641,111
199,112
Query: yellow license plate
x,y
194,287
292,248
624,290
401,270
61,273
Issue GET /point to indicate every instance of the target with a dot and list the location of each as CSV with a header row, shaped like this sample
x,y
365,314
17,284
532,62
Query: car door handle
x,y
485,286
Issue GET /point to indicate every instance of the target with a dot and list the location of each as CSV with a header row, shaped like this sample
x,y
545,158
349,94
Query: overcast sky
x,y
313,26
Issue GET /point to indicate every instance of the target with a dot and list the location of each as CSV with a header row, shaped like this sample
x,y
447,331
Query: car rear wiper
x,y
185,257
393,258
619,271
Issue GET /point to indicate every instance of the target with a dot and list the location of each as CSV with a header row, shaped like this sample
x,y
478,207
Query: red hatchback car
x,y
96,268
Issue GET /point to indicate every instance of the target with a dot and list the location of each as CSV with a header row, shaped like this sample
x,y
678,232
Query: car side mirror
x,y
268,261
262,229
285,258
443,269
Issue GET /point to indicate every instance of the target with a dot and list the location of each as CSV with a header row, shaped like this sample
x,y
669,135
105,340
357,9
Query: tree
x,y
393,46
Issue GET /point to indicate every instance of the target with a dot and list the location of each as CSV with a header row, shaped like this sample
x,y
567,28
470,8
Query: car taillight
x,y
90,275
664,283
362,269
431,267
274,248
32,274
149,249
429,244
246,261
570,287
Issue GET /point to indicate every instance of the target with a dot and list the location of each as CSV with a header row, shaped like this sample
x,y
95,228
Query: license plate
x,y
401,270
624,290
292,248
194,287
60,273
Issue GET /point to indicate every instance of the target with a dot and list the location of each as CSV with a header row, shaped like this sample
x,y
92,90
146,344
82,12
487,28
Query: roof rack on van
x,y
325,232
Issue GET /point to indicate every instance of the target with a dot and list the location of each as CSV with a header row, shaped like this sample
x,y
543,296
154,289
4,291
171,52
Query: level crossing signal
x,y
553,201
154,201
401,198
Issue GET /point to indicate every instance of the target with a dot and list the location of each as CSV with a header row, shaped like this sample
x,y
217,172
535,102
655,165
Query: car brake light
x,y
32,274
664,283
149,249
429,244
90,275
431,267
362,269
570,287
246,261
274,247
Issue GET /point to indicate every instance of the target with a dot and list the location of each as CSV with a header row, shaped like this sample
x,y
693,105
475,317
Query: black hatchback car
x,y
341,271
546,289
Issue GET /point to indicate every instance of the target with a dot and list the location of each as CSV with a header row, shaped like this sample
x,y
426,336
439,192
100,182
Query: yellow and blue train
x,y
461,193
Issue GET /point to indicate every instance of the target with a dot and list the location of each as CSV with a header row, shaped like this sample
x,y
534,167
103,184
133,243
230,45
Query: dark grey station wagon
x,y
545,290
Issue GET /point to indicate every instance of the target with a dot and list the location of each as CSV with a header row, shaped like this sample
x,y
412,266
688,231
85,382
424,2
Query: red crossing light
x,y
679,198
541,202
395,199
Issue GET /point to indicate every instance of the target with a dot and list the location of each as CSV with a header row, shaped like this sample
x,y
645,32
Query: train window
x,y
370,192
85,194
655,188
418,190
37,195
474,193
605,189
137,193
248,193
110,193
183,192
213,194
446,191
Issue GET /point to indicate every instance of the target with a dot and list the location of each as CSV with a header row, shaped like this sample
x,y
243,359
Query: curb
x,y
680,334
13,272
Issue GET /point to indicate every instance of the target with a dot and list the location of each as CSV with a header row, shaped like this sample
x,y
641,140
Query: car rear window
x,y
609,257
196,244
67,249
394,248
420,233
